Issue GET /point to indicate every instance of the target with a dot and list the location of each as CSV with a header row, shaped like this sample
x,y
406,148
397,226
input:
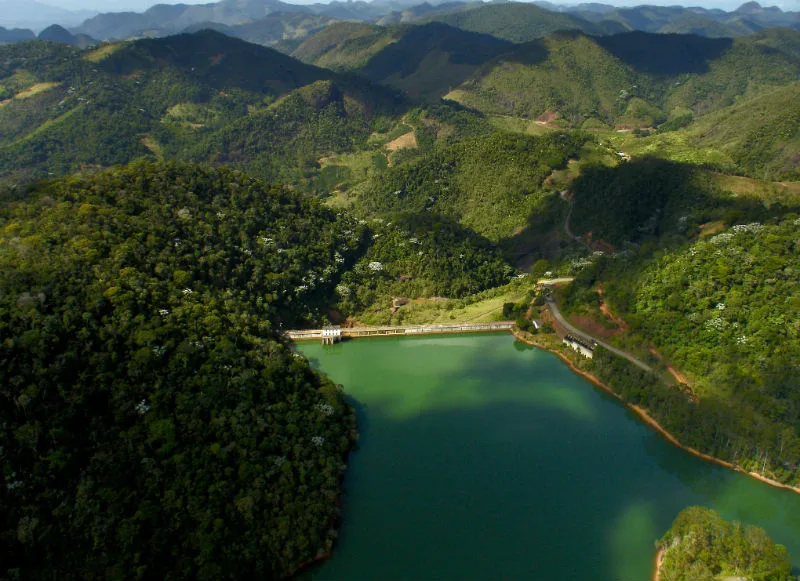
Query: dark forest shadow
x,y
665,54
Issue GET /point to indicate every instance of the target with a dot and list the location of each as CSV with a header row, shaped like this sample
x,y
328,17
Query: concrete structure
x,y
353,332
581,347
331,335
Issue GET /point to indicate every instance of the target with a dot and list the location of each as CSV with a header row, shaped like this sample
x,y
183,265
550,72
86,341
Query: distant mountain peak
x,y
756,8
750,8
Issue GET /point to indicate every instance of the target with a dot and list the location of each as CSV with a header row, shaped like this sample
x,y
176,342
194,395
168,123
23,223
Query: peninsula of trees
x,y
702,546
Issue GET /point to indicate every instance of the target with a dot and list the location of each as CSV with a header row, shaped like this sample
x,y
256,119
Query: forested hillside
x,y
279,29
710,278
726,311
760,135
145,387
644,200
491,183
629,80
173,99
423,61
161,99
516,21
756,137
206,97
346,45
712,22
145,390
206,446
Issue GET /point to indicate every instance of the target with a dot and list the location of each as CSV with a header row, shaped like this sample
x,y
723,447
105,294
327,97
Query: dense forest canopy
x,y
155,424
710,278
726,311
492,182
700,545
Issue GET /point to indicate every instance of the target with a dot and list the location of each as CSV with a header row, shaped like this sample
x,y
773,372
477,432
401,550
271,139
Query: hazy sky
x,y
140,5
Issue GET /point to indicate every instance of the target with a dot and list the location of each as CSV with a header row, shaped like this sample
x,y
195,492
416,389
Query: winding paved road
x,y
586,337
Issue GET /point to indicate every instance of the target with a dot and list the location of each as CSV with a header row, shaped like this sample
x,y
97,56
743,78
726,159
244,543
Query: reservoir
x,y
482,458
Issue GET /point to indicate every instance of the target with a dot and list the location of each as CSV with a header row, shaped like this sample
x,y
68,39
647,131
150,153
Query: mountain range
x,y
30,14
281,24
422,165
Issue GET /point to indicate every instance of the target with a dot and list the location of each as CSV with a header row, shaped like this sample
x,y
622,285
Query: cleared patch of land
x,y
519,125
379,139
674,146
484,307
192,115
770,192
49,123
407,141
35,90
98,54
150,143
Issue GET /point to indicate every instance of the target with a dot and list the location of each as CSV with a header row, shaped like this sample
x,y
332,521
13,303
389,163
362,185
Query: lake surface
x,y
482,458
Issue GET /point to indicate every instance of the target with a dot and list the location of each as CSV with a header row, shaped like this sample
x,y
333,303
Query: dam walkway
x,y
328,333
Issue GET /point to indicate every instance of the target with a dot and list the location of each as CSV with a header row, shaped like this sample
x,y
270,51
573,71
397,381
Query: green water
x,y
481,458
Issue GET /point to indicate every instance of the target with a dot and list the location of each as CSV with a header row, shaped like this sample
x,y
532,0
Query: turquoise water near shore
x,y
483,458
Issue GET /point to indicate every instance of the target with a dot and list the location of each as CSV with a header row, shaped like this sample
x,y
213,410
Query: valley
x,y
171,203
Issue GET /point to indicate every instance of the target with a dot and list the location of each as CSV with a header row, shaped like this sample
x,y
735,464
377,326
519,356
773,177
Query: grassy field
x,y
101,52
770,192
35,90
519,125
48,124
591,154
481,308
154,146
675,146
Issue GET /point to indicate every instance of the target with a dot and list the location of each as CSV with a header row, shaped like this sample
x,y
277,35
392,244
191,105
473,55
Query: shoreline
x,y
641,412
306,564
653,423
659,562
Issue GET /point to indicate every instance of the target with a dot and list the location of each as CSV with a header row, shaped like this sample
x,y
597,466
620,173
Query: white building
x,y
579,346
331,335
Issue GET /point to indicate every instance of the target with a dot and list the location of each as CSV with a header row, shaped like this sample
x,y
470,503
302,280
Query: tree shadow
x,y
540,238
650,197
407,56
665,54
534,52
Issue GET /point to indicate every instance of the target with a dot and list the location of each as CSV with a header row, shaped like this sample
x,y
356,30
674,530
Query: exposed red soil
x,y
592,327
548,117
623,326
